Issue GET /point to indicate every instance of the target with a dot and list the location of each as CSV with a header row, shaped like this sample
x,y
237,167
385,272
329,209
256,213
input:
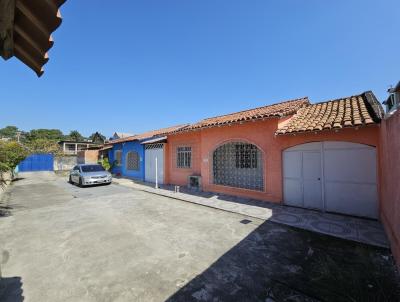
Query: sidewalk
x,y
346,227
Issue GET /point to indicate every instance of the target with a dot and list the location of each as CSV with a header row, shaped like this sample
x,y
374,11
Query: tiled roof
x,y
353,111
148,134
275,110
27,26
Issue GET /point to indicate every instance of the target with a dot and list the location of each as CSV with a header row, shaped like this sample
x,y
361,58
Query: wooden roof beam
x,y
7,9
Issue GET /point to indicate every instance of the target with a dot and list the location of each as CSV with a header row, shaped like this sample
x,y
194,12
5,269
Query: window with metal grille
x,y
132,161
184,157
246,156
118,157
239,165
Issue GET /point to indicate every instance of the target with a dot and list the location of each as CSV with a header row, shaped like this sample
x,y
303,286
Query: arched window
x,y
132,161
240,165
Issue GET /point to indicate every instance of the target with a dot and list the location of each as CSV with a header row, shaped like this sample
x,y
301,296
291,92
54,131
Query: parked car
x,y
89,174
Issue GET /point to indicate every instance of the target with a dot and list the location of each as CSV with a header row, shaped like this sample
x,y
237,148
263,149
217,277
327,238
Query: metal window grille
x,y
132,161
153,146
184,157
118,157
246,156
239,165
70,147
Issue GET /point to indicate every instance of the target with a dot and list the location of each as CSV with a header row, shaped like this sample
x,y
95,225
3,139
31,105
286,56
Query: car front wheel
x,y
80,182
70,179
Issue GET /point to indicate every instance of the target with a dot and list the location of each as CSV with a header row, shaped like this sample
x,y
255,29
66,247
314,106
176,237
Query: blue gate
x,y
37,162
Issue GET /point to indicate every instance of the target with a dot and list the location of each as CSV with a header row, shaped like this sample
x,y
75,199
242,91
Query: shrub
x,y
11,154
105,163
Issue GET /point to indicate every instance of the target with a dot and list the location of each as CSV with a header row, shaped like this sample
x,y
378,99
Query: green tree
x,y
74,135
11,154
8,131
97,137
49,134
44,146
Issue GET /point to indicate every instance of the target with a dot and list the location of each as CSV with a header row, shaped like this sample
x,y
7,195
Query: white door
x,y
302,185
312,188
153,152
332,176
350,179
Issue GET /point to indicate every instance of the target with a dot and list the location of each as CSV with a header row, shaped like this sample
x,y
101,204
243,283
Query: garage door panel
x,y
355,165
313,195
315,146
352,199
311,165
293,192
347,173
344,145
292,164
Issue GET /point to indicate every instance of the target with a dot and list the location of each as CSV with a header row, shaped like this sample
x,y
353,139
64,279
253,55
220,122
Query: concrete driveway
x,y
59,242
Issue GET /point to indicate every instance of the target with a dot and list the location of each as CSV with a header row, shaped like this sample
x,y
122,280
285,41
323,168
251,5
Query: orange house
x,y
322,156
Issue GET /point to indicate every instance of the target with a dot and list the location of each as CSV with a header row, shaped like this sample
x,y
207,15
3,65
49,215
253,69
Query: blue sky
x,y
133,66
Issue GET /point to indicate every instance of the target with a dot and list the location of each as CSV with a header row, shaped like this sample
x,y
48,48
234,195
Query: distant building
x,y
393,101
72,147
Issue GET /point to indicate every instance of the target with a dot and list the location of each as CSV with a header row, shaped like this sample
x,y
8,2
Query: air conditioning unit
x,y
194,182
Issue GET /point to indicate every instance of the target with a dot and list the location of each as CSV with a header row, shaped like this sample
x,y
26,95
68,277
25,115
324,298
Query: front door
x,y
154,156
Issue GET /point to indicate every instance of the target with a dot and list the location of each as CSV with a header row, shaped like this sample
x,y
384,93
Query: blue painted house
x,y
128,155
128,159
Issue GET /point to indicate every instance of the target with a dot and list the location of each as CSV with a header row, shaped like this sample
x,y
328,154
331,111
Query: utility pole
x,y
156,173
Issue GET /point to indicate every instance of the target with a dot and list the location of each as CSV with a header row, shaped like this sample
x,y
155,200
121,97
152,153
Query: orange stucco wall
x,y
178,176
390,173
261,134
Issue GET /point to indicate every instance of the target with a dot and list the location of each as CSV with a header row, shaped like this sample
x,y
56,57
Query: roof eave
x,y
294,133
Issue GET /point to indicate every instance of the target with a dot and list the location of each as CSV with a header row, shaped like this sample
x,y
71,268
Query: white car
x,y
89,174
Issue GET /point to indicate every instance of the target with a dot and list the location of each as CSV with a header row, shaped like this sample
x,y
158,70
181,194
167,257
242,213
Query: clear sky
x,y
132,66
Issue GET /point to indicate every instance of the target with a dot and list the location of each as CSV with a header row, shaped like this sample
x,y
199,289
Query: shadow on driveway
x,y
276,263
11,289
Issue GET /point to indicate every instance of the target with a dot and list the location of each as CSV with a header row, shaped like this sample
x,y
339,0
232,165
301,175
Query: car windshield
x,y
92,168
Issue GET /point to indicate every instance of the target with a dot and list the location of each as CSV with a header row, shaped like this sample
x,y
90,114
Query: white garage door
x,y
331,176
153,152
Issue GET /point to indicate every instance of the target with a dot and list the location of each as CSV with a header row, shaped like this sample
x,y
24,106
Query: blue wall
x,y
111,158
126,147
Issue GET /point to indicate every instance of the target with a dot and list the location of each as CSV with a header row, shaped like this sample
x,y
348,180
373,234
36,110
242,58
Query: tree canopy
x,y
74,135
97,137
49,134
44,146
9,131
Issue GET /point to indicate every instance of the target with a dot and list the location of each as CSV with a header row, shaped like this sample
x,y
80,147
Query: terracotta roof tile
x,y
353,111
29,24
148,134
275,110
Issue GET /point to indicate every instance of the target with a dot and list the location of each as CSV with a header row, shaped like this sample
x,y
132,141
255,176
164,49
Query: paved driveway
x,y
113,243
